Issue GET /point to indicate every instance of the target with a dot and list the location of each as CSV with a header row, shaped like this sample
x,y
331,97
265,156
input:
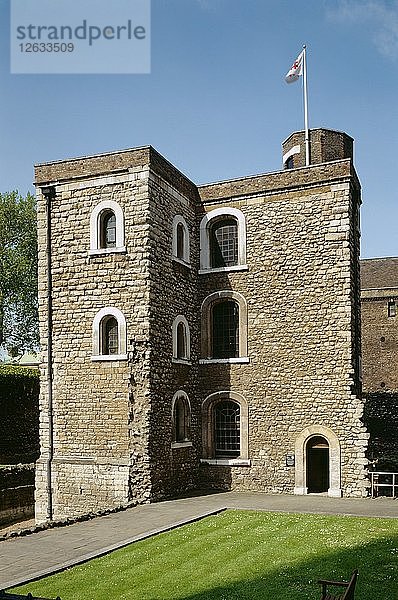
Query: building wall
x,y
100,456
301,288
173,292
379,283
112,419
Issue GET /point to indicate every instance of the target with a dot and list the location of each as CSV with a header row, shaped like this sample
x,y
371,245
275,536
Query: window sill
x,y
181,361
101,251
181,445
223,269
227,462
109,357
225,361
181,261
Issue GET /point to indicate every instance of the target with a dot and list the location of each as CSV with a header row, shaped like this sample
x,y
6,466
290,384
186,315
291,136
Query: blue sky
x,y
216,104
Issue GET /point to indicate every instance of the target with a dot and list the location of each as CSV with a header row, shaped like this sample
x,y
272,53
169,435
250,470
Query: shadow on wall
x,y
381,420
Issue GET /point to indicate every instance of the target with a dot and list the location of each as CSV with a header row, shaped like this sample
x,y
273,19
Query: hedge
x,y
19,414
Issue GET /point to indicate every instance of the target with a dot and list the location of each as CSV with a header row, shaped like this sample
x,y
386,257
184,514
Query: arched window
x,y
107,228
180,240
288,158
109,335
227,429
224,243
181,415
224,328
225,437
223,240
181,339
289,164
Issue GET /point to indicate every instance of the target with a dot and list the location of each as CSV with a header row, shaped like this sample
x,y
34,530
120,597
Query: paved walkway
x,y
26,558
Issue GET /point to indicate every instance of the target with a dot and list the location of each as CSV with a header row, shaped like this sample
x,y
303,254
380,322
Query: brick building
x,y
379,300
199,335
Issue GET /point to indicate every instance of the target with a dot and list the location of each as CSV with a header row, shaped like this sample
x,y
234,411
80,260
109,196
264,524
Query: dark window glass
x,y
289,164
181,420
227,429
181,341
224,243
225,330
108,230
110,336
180,240
392,308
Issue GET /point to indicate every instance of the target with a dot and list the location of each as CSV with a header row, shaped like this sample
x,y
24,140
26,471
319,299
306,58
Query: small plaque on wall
x,y
290,461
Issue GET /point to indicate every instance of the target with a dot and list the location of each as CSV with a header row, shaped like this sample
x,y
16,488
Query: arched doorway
x,y
318,474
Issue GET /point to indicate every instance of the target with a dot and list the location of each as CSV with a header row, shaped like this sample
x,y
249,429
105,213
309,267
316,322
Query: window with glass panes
x,y
110,336
108,230
227,429
224,243
225,330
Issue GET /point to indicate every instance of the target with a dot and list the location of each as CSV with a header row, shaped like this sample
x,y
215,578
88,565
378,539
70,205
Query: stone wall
x,y
16,493
97,445
173,292
112,419
302,290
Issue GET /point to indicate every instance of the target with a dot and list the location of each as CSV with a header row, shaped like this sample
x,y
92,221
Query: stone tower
x,y
197,336
325,145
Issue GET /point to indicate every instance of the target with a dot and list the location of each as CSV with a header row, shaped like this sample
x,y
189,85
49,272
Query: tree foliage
x,y
18,273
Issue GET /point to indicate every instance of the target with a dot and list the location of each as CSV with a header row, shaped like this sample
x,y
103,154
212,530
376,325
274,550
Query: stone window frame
x,y
98,331
208,437
185,259
96,223
178,396
300,482
207,325
205,246
175,358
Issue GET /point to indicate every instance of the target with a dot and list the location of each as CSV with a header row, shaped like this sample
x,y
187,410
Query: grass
x,y
238,555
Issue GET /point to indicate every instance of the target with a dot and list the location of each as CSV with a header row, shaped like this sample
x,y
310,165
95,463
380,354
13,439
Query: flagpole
x,y
305,95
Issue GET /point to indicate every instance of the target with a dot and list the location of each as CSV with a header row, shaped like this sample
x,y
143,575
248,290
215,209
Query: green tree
x,y
18,273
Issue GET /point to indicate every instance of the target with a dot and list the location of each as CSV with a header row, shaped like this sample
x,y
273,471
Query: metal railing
x,y
382,481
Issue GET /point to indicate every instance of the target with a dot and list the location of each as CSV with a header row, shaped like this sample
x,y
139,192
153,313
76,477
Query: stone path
x,y
26,558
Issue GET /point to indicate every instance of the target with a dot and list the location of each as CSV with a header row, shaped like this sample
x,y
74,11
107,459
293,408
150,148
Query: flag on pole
x,y
296,69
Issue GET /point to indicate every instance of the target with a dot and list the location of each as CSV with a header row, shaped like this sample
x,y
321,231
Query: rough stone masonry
x,y
110,423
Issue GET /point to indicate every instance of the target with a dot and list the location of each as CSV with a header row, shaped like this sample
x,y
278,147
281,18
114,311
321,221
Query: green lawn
x,y
238,555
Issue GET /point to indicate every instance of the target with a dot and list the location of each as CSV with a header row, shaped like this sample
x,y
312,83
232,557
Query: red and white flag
x,y
296,69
